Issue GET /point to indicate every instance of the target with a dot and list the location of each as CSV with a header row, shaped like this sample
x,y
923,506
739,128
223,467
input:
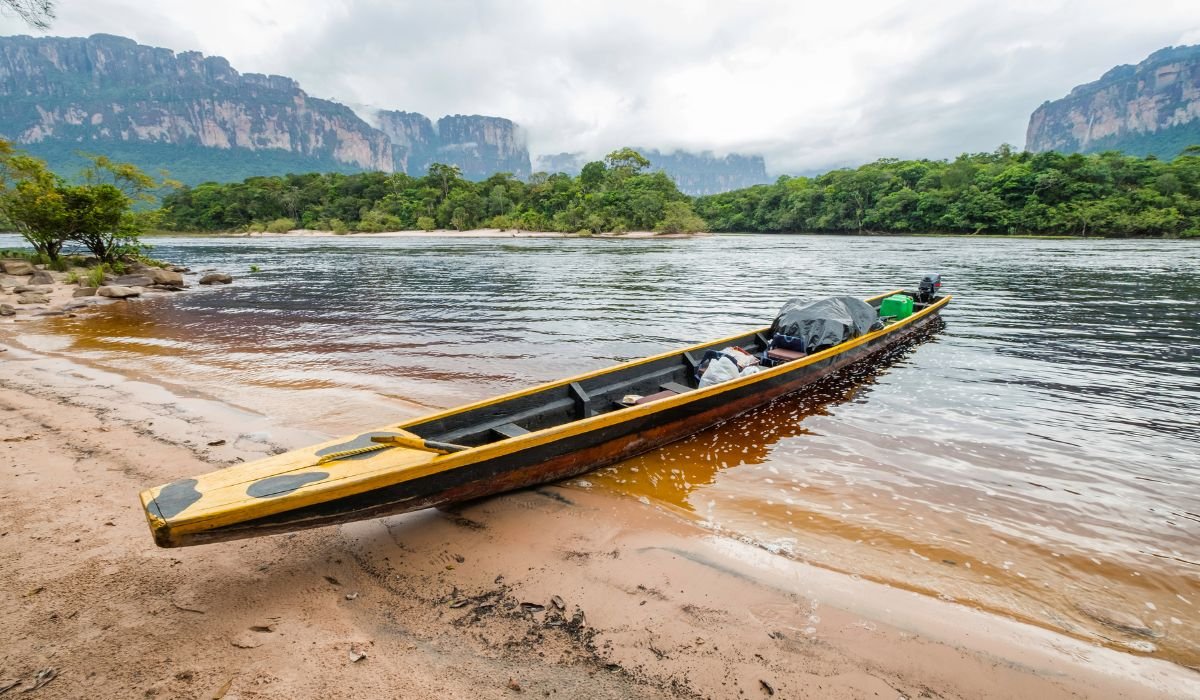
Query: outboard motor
x,y
931,284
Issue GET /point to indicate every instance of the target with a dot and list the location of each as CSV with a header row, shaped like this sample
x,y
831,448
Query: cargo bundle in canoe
x,y
538,435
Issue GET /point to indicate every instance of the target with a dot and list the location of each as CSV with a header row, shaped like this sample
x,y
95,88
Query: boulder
x,y
216,278
41,277
6,310
114,291
165,277
16,267
84,292
22,288
133,280
180,268
33,298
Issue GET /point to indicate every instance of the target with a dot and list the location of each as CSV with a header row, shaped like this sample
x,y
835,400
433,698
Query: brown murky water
x,y
1040,457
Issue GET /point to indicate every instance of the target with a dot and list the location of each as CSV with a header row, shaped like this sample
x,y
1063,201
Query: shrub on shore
x,y
95,276
679,218
281,225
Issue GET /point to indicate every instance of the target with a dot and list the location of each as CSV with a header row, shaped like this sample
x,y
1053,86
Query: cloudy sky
x,y
809,85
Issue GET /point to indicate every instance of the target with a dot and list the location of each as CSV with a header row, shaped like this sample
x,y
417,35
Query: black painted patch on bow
x,y
361,441
283,484
174,498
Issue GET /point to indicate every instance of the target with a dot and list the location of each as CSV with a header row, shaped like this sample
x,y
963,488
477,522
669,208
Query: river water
x,y
1039,457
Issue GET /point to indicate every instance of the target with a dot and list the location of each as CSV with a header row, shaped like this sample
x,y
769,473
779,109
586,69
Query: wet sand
x,y
448,604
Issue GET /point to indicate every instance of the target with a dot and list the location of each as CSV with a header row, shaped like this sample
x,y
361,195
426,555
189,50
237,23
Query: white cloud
x,y
810,85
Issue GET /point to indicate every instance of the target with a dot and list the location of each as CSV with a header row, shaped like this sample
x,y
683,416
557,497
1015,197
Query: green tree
x,y
625,162
592,176
98,217
446,177
100,212
32,201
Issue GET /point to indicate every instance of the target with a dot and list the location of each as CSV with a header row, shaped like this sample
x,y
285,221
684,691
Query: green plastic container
x,y
898,306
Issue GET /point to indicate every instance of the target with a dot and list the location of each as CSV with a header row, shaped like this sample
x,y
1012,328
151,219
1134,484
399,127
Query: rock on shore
x,y
115,291
32,298
16,267
41,277
167,277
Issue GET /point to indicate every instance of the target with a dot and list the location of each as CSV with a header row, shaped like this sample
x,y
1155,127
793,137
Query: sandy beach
x,y
563,591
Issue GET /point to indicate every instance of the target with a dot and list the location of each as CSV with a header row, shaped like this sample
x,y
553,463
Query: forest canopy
x,y
1004,192
616,194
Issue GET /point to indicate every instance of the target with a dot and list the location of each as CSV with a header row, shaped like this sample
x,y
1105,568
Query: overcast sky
x,y
809,85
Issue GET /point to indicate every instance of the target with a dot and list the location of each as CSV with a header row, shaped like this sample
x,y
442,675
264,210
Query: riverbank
x,y
511,233
437,233
562,590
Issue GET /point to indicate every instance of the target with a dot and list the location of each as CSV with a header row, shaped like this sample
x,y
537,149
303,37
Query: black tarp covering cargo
x,y
827,322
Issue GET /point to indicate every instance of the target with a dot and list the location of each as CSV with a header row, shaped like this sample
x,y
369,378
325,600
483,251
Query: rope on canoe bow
x,y
350,453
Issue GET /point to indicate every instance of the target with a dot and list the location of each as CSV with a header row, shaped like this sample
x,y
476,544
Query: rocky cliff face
x,y
106,89
413,137
480,146
704,173
1150,108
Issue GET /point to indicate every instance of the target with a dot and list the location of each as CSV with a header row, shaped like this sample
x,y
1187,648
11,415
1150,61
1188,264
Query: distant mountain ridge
x,y
1150,108
200,119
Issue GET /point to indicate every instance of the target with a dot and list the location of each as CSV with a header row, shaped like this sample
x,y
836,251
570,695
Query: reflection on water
x,y
1039,457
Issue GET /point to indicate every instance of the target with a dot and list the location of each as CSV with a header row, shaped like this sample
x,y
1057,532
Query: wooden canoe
x,y
538,435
